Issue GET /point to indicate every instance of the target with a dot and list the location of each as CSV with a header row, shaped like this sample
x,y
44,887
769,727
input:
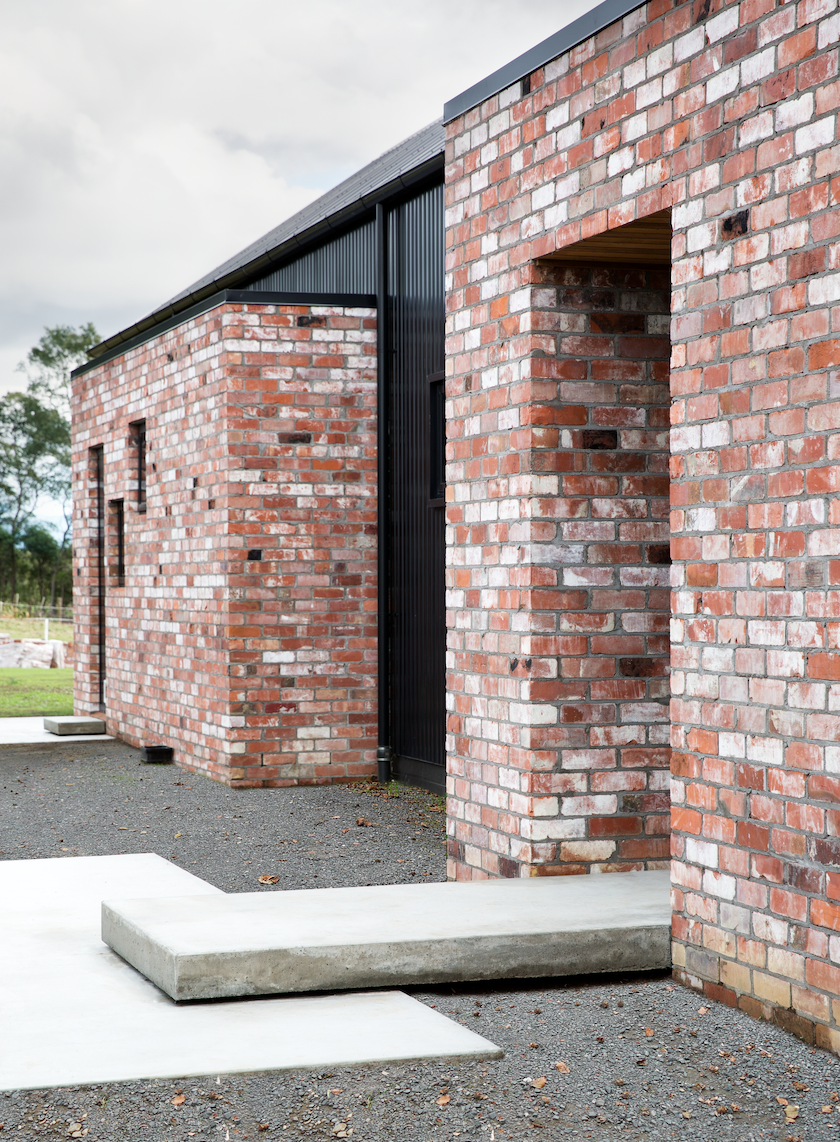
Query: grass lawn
x,y
34,628
30,693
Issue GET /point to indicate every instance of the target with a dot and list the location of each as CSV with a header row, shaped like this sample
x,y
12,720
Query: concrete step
x,y
74,1013
68,725
212,947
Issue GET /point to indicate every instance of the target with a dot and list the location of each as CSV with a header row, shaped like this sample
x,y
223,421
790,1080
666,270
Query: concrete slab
x,y
67,725
73,1012
30,731
202,947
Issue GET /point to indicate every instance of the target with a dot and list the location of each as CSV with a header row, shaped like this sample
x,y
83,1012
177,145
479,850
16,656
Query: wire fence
x,y
60,612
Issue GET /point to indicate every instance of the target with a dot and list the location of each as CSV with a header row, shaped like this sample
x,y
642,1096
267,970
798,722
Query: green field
x,y
34,628
30,693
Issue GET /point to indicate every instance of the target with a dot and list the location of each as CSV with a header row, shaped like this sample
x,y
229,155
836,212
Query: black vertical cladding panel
x,y
346,264
418,627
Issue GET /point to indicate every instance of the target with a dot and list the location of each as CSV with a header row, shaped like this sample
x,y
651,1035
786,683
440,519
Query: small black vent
x,y
307,319
659,553
254,553
157,754
639,667
736,225
600,439
294,437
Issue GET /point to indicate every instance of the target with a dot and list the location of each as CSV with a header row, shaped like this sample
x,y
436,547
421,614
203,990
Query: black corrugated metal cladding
x,y
346,264
418,638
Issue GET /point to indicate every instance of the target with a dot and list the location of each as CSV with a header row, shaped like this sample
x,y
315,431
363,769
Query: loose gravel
x,y
597,1058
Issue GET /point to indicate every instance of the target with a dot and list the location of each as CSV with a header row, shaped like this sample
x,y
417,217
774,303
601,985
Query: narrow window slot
x,y
117,542
138,440
437,439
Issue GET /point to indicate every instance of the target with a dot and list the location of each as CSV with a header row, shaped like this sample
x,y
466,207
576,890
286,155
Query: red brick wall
x,y
727,115
593,665
260,424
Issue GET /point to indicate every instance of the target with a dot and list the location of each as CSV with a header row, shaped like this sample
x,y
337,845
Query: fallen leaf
x,y
648,1031
599,1038
539,1083
791,1112
533,1046
266,878
179,1100
400,860
641,1062
828,1109
263,1126
781,1101
563,1068
444,1100
177,835
686,1114
702,1011
800,1086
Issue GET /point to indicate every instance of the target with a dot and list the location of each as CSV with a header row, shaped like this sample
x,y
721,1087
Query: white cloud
x,y
142,142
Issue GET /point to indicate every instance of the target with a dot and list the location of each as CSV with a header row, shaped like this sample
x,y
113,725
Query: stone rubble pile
x,y
26,652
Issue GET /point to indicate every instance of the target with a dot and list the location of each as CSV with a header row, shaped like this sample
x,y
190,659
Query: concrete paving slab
x,y
73,1012
30,731
67,725
204,947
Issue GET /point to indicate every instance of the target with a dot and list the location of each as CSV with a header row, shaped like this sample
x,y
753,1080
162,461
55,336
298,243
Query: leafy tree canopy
x,y
41,544
49,363
34,454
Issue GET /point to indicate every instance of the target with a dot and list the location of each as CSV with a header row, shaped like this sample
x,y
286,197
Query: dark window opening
x,y
138,439
437,438
117,553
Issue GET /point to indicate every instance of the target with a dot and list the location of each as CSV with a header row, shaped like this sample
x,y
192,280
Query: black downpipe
x,y
383,378
100,567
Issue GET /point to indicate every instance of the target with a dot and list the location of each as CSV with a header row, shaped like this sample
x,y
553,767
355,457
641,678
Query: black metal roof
x,y
569,37
409,162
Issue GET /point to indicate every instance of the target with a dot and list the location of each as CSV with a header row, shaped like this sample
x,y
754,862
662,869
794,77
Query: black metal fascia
x,y
220,297
265,262
589,24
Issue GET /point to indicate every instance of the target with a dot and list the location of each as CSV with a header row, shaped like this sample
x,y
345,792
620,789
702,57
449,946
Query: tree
x,y
45,556
49,363
34,461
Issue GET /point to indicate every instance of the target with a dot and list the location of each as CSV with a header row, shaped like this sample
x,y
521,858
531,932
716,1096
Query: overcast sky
x,y
142,142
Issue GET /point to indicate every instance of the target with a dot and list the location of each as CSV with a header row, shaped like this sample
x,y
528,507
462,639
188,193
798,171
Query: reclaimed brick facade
x,y
591,671
724,114
244,631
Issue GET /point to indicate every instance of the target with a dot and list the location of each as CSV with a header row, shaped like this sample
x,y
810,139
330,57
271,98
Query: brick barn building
x,y
642,277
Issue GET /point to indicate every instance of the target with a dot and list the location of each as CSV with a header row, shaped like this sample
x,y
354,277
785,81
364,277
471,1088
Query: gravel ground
x,y
597,1058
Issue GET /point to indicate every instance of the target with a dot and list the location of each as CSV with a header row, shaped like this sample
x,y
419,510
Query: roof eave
x,y
265,262
589,24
